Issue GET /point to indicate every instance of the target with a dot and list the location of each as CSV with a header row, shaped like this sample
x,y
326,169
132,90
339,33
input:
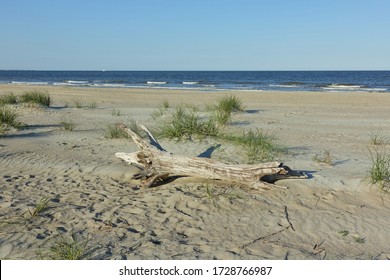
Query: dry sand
x,y
335,214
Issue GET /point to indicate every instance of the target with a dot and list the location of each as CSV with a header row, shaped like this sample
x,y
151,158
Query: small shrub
x,y
114,132
379,170
8,99
36,97
8,118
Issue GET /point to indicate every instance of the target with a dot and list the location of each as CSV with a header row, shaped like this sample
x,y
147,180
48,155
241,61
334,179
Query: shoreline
x,y
91,193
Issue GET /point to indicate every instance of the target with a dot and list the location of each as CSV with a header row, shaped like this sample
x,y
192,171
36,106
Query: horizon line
x,y
103,70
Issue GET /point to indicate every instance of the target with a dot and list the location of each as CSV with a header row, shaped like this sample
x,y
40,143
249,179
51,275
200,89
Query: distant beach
x,y
63,159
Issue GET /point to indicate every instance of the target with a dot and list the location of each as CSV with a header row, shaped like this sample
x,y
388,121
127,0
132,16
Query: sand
x,y
334,214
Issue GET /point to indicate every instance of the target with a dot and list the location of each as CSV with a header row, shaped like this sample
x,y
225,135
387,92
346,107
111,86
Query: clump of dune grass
x,y
39,208
115,112
77,104
36,97
92,105
377,138
165,106
185,124
8,118
114,132
230,103
71,249
379,170
68,125
8,99
227,105
258,145
360,240
324,157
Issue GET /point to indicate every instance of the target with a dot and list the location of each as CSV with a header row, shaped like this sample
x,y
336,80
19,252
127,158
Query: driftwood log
x,y
156,164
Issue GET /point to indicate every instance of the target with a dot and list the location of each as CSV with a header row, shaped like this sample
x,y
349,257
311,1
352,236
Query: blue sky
x,y
195,35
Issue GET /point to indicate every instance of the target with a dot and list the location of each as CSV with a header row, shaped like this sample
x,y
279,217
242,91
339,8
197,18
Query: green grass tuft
x,y
230,103
377,138
8,99
225,107
113,132
8,118
39,208
379,170
185,124
115,112
68,125
36,97
324,157
71,249
92,105
259,146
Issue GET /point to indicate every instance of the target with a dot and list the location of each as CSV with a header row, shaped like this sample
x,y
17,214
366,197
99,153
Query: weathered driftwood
x,y
157,164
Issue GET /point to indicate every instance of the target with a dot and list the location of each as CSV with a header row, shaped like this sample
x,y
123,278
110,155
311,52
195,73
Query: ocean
x,y
332,81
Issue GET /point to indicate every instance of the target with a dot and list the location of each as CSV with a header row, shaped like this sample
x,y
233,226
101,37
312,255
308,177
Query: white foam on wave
x,y
190,83
156,83
29,83
77,82
285,86
110,85
341,86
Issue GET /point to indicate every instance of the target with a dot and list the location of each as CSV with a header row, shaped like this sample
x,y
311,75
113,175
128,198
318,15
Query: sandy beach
x,y
334,214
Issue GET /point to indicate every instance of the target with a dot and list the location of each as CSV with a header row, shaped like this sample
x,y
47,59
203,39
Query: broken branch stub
x,y
156,164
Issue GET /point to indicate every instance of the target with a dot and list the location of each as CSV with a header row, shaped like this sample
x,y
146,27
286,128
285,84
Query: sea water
x,y
332,81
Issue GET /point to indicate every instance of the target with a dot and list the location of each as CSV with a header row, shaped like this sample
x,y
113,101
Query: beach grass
x,y
325,157
114,132
379,170
8,99
36,97
258,145
377,138
68,125
92,105
8,118
70,249
222,111
77,104
115,112
185,124
39,208
230,103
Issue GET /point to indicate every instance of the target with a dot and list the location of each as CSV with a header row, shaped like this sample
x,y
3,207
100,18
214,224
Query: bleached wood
x,y
157,164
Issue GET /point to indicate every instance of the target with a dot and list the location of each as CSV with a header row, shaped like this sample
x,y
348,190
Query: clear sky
x,y
195,34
